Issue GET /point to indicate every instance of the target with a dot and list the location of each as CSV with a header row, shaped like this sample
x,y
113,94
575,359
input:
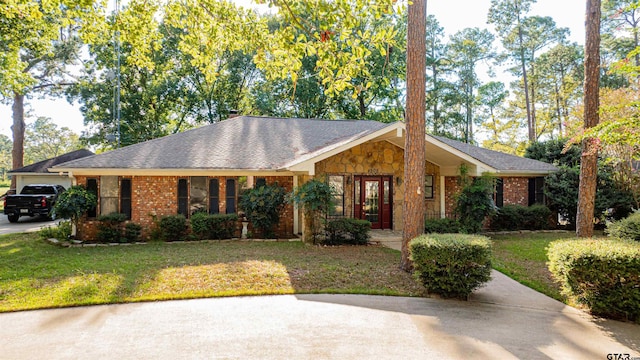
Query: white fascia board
x,y
479,164
173,172
309,163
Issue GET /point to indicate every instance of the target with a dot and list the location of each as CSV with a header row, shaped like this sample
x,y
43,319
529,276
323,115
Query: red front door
x,y
373,200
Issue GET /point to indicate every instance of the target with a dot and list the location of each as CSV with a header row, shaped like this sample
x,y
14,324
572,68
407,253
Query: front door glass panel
x,y
371,202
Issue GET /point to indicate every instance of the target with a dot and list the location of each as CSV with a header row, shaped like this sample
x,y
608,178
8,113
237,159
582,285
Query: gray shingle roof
x,y
42,166
498,160
243,143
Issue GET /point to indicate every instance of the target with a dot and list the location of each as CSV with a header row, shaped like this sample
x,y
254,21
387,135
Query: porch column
x,y
443,207
296,219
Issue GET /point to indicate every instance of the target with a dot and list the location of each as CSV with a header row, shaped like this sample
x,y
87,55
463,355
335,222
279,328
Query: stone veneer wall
x,y
372,158
157,196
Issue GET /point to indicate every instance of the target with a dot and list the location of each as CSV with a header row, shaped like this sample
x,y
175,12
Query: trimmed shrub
x,y
601,274
348,231
451,265
172,228
111,228
132,232
441,226
518,217
625,229
218,226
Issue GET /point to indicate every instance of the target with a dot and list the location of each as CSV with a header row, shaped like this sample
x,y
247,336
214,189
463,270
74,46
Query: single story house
x,y
38,173
205,169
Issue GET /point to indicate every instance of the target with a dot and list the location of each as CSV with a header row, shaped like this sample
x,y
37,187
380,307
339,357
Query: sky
x,y
453,15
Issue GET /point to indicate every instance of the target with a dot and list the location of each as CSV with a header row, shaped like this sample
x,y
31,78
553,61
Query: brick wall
x,y
157,196
516,191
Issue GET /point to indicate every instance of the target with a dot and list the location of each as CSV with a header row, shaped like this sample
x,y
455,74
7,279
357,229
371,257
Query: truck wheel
x,y
13,218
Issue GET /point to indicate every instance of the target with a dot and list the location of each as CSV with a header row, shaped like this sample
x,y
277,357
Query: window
x,y
536,191
125,197
214,196
428,186
198,194
92,188
183,197
337,185
261,182
108,195
498,195
230,193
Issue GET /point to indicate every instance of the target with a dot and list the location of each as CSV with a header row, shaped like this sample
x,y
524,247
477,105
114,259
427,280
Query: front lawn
x,y
34,274
523,257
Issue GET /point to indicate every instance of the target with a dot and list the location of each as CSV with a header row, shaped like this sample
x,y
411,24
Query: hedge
x,y
442,226
518,217
348,231
217,226
601,274
451,265
625,229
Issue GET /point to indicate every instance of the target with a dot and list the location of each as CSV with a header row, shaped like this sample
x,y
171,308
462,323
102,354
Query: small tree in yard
x,y
315,197
73,203
262,206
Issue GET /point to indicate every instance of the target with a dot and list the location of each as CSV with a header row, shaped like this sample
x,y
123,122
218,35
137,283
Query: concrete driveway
x,y
24,224
313,327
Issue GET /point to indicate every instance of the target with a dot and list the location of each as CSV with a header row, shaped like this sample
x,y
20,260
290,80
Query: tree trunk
x,y
414,151
530,125
17,152
589,159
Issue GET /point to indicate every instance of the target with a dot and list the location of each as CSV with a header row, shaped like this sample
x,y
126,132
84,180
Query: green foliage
x,y
217,226
172,228
451,265
561,187
518,217
554,152
262,206
132,232
625,229
45,140
316,198
110,228
442,226
474,203
61,231
601,274
348,231
74,202
113,229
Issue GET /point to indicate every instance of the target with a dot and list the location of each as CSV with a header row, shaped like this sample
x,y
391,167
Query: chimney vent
x,y
233,113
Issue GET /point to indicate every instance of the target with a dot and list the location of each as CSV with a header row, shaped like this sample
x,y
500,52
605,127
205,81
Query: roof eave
x,y
173,172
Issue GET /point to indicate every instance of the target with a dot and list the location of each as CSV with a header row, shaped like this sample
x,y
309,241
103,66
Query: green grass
x,y
524,259
35,275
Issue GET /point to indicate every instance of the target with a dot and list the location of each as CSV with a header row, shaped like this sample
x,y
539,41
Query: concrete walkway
x,y
505,320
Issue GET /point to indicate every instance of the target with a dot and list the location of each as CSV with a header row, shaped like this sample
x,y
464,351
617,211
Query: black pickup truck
x,y
33,200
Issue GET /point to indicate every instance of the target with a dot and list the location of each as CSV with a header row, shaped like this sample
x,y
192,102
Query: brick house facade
x,y
363,159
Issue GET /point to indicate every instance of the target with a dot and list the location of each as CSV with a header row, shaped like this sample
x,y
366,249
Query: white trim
x,y
296,217
173,172
443,204
479,164
309,163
